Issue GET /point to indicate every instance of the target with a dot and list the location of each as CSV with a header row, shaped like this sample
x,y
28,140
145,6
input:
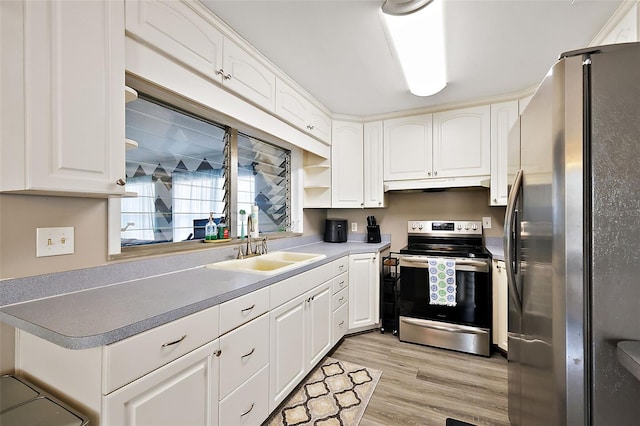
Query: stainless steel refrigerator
x,y
572,243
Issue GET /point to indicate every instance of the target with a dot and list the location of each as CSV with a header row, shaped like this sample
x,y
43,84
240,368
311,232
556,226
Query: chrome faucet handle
x,y
265,246
240,254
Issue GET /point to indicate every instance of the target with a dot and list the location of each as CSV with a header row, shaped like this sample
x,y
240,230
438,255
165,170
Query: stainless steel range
x,y
445,293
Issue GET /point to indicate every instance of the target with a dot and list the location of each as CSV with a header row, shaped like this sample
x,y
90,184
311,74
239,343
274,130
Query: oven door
x,y
473,292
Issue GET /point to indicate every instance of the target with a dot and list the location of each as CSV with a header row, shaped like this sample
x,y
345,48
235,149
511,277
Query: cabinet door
x,y
347,168
364,292
503,118
320,124
373,165
176,29
408,145
319,314
291,106
500,304
73,73
462,142
287,360
247,77
183,392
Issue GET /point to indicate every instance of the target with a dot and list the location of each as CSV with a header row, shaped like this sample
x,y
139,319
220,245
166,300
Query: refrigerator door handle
x,y
511,240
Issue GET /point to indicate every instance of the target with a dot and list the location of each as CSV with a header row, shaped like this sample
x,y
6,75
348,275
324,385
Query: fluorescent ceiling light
x,y
418,39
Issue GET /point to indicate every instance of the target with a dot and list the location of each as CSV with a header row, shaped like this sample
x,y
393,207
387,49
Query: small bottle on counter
x,y
222,229
211,229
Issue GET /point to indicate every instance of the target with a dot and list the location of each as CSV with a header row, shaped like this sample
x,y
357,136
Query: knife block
x,y
373,234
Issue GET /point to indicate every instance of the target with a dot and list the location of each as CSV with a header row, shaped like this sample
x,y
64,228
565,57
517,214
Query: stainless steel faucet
x,y
250,229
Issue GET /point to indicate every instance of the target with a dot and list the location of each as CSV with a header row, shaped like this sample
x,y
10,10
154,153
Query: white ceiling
x,y
338,50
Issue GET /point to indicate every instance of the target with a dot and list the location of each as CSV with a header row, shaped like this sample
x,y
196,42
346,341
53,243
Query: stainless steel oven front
x,y
464,325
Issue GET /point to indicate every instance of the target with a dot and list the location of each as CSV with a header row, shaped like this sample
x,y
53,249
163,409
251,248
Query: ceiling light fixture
x,y
417,34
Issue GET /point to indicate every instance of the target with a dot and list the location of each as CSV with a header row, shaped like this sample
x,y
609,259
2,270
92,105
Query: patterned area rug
x,y
335,394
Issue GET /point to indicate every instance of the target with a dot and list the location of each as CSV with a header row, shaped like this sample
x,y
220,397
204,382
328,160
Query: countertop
x,y
495,246
99,316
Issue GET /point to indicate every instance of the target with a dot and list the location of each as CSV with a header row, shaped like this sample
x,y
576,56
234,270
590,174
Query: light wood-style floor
x,y
423,386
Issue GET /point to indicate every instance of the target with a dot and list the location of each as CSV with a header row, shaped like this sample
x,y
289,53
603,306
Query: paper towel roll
x,y
254,218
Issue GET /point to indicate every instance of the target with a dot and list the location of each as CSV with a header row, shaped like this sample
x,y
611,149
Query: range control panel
x,y
445,227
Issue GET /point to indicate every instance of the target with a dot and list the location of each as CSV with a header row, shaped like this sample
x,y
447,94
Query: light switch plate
x,y
354,226
486,222
54,241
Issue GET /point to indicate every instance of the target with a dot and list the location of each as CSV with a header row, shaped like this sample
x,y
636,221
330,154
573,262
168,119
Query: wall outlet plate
x,y
354,226
54,241
486,222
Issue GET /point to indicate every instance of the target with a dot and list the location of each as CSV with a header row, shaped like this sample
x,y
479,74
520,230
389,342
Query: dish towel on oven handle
x,y
442,281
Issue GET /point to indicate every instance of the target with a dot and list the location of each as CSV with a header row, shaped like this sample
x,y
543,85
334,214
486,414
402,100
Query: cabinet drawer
x,y
340,266
128,359
340,282
245,350
243,309
339,299
293,287
249,404
340,322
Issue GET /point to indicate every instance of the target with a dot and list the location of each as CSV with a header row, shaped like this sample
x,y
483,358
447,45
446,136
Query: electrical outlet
x,y
354,226
54,241
486,222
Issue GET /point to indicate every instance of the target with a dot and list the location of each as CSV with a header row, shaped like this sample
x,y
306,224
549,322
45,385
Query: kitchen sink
x,y
268,264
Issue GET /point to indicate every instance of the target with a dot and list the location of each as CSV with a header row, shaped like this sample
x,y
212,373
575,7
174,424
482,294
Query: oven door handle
x,y
466,264
452,328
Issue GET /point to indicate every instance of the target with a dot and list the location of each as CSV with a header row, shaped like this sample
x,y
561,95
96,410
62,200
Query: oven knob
x,y
466,226
459,226
413,226
474,227
420,227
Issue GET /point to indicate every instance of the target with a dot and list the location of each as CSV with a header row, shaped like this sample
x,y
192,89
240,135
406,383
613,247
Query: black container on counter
x,y
335,231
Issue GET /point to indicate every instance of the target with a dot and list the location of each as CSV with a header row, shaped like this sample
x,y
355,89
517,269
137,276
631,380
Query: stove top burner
x,y
448,239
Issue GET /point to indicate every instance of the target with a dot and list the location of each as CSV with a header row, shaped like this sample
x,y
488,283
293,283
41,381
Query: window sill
x,y
189,246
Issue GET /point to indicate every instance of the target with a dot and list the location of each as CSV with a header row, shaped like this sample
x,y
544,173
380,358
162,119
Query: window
x,y
181,171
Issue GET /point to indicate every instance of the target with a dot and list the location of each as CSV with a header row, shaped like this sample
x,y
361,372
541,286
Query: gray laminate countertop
x,y
495,246
99,316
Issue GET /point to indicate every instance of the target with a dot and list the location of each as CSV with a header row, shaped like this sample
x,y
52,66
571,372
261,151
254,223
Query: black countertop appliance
x,y
335,231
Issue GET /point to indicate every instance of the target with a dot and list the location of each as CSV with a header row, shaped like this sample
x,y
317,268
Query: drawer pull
x,y
250,353
249,308
341,283
248,411
341,299
175,342
217,352
341,323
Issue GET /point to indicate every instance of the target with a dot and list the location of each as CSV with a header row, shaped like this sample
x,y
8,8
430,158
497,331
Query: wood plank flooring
x,y
423,386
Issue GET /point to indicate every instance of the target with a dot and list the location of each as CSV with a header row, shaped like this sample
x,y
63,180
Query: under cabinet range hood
x,y
437,183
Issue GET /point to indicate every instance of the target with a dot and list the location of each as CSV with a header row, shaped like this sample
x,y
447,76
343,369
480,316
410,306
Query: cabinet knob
x,y
428,173
121,182
435,173
227,77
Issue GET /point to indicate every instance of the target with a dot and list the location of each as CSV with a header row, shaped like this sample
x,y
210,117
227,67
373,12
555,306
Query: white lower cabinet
x,y
364,291
249,404
183,392
231,364
300,335
500,304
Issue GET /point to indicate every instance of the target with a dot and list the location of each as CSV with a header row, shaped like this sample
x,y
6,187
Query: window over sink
x,y
186,166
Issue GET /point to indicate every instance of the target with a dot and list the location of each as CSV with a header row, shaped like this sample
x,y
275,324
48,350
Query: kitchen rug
x,y
335,393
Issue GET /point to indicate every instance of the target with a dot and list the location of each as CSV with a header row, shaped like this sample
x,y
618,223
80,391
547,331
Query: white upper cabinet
x,y
347,165
374,195
247,77
503,118
461,142
62,84
179,31
356,165
408,145
297,110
